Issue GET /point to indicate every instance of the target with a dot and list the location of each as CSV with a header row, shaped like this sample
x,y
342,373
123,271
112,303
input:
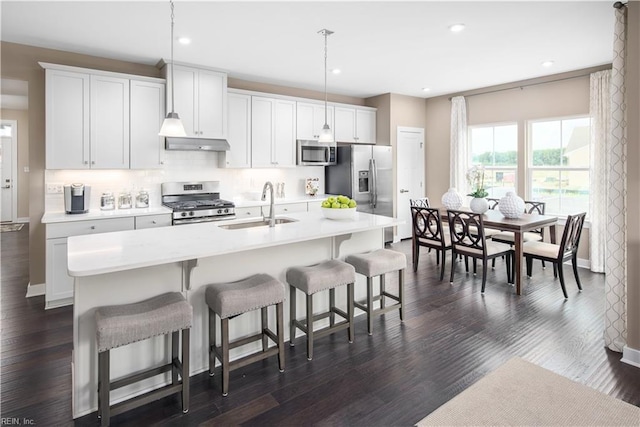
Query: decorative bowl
x,y
348,213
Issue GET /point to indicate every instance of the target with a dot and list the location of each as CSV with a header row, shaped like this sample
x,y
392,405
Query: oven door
x,y
314,153
184,221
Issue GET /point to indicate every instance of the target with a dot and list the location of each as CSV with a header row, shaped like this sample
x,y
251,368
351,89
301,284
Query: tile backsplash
x,y
235,184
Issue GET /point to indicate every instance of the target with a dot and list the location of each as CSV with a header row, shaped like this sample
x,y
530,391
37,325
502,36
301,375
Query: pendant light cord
x,y
325,77
172,85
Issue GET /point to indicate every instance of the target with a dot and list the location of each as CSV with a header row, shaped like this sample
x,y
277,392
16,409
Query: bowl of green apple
x,y
339,207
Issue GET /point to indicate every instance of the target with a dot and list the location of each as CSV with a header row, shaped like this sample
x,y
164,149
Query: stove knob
x,y
183,214
226,211
219,211
191,213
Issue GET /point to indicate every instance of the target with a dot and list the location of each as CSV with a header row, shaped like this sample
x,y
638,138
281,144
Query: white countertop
x,y
125,250
61,216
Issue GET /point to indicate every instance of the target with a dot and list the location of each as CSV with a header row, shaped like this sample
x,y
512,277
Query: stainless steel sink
x,y
257,223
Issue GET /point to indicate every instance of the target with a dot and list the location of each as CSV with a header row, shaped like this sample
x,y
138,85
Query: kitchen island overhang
x,y
128,266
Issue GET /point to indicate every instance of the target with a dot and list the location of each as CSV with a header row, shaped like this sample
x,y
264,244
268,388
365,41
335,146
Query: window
x,y
559,164
495,147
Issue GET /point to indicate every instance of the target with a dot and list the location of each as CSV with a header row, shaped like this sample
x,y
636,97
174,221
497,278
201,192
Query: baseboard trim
x,y
35,290
631,356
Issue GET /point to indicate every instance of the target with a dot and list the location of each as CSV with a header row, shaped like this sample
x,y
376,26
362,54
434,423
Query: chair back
x,y
533,207
571,236
493,203
467,233
427,226
423,202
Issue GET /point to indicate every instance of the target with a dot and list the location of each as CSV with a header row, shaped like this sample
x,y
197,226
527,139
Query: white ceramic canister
x,y
479,205
451,199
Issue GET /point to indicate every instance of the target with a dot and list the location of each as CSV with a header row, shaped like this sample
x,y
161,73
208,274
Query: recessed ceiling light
x,y
547,64
336,71
456,28
184,40
426,89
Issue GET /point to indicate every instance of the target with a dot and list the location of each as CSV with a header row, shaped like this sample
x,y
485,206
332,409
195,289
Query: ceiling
x,y
380,47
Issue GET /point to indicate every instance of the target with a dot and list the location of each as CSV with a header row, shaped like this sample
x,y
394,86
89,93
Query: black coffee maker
x,y
76,198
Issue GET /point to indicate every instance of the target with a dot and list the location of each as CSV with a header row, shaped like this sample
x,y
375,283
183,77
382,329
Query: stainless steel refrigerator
x,y
365,174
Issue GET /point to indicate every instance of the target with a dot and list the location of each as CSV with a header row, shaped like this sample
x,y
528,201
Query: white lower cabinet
x,y
59,285
288,208
248,212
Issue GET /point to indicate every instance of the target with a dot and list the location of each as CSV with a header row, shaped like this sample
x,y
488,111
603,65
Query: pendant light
x,y
172,126
325,134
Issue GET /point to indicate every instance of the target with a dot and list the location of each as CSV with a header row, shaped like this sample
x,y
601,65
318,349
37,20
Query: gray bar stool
x,y
119,325
379,263
229,300
310,280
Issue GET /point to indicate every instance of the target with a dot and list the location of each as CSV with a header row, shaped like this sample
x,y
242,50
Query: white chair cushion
x,y
508,236
488,232
492,248
548,250
446,237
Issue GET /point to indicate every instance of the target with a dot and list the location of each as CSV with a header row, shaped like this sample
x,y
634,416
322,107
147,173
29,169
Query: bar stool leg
x,y
332,305
175,341
309,327
185,369
225,356
292,312
212,342
370,305
401,290
103,367
382,289
280,330
265,325
350,309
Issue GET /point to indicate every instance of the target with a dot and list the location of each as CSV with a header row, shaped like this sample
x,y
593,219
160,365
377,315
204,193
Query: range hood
x,y
196,144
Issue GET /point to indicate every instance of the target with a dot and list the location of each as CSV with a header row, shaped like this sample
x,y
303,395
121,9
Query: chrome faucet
x,y
272,216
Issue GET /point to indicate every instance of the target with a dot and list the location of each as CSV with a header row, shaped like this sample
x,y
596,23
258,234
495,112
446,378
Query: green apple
x,y
326,204
335,205
344,206
331,199
352,203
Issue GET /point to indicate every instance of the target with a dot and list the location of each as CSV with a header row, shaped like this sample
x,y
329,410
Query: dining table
x,y
527,222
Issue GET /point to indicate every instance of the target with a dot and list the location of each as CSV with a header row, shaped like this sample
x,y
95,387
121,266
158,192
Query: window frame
x,y
530,168
493,125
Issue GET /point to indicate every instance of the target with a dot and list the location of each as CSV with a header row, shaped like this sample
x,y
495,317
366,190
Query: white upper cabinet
x,y
67,120
147,113
109,122
201,100
310,120
356,125
101,120
273,132
238,132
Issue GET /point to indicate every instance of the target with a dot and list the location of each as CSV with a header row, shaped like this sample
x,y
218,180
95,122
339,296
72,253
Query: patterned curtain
x,y
458,157
600,111
615,333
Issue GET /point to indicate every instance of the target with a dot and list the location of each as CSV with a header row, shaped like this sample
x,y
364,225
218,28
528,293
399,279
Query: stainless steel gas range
x,y
196,202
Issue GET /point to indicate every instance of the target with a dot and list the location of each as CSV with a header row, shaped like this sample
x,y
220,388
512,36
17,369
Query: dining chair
x,y
422,202
468,239
493,203
559,253
530,207
428,232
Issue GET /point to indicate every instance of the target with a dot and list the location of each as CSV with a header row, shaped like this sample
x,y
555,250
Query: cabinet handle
x,y
153,222
162,162
285,209
93,227
248,213
86,162
93,162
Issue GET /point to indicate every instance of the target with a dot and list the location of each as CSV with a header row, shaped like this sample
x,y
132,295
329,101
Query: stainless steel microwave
x,y
314,153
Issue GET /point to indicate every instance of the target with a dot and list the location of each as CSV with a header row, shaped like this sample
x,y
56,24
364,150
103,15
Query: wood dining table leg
x,y
517,240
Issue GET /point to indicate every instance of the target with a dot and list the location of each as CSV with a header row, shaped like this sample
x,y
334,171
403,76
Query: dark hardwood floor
x,y
452,337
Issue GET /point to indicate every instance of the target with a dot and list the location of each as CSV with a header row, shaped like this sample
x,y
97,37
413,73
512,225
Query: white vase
x,y
479,205
451,199
511,206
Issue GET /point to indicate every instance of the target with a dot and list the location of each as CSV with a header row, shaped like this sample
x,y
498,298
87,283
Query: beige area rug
x,y
520,393
10,227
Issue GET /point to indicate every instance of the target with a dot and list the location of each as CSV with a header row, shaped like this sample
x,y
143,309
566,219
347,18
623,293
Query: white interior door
x,y
409,174
6,174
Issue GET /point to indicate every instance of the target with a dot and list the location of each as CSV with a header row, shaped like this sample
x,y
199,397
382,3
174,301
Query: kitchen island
x,y
129,266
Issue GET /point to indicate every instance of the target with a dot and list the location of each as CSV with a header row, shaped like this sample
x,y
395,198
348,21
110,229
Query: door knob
x,y
404,191
7,186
